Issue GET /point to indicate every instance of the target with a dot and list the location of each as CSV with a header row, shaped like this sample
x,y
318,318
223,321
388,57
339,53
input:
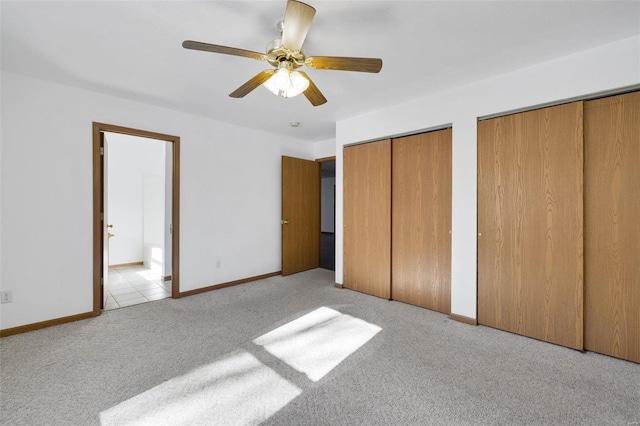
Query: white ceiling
x,y
132,49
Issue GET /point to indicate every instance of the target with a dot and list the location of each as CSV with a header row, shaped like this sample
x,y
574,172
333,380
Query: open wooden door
x,y
300,215
105,228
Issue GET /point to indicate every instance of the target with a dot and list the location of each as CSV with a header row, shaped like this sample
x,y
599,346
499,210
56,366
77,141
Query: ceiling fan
x,y
286,56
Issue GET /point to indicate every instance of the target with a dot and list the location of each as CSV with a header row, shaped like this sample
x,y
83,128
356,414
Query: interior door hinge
x,y
101,281
101,150
101,216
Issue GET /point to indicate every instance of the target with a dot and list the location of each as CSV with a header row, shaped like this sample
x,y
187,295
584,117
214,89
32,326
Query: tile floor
x,y
131,285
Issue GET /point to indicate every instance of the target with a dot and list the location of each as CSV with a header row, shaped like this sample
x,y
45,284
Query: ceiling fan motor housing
x,y
277,53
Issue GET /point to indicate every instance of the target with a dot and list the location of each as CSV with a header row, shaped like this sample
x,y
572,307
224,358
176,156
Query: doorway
x,y
136,221
308,214
137,183
328,214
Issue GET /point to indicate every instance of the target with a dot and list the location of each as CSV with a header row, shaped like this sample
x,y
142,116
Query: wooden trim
x,y
104,127
122,265
325,159
461,318
338,285
228,284
98,129
167,278
175,220
49,323
97,222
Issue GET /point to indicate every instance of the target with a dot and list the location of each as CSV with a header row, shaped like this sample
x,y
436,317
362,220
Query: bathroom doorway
x,y
137,220
137,217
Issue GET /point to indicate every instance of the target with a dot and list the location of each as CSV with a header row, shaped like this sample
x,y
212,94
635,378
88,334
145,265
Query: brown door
x,y
612,225
367,218
530,217
421,220
300,215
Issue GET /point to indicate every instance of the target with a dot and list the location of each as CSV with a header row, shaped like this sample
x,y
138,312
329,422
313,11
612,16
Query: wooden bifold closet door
x,y
612,224
421,220
530,224
367,218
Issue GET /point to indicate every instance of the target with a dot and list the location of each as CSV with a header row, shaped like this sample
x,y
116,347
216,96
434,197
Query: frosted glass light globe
x,y
286,83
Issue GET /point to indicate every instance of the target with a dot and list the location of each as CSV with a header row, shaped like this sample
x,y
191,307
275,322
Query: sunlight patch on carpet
x,y
317,342
237,389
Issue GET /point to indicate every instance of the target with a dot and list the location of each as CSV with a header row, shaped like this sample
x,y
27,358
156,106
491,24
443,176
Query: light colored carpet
x,y
298,351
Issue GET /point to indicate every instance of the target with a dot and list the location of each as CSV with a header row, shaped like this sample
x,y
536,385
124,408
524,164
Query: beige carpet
x,y
298,351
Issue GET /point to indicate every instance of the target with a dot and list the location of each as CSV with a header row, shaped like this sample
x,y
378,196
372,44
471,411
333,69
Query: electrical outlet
x,y
217,263
6,296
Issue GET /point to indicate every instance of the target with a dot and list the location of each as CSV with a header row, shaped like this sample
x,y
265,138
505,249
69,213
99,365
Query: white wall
x,y
153,222
327,205
130,161
604,68
153,210
230,195
324,149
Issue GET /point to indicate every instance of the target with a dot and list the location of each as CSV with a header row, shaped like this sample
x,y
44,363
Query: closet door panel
x,y
421,220
498,274
612,214
367,218
530,215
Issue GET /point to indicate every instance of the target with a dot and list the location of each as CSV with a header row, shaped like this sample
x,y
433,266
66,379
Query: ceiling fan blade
x,y
256,81
207,47
297,20
344,64
313,94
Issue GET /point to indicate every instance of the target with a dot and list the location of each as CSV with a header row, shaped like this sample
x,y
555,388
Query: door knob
x,y
284,222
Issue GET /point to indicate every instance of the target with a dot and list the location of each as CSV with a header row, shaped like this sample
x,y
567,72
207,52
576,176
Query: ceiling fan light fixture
x,y
286,54
286,83
298,82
